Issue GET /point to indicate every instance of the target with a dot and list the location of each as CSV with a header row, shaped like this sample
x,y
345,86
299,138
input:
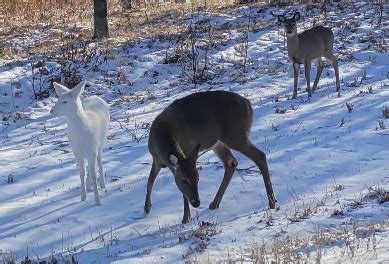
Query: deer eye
x,y
185,180
64,102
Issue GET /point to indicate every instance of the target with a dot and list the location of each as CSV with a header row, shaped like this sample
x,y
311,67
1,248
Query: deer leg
x,y
150,183
259,158
307,69
230,163
88,181
81,167
296,70
320,66
92,173
186,217
334,62
101,171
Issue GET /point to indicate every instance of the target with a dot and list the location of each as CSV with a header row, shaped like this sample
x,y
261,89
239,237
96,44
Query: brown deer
x,y
216,120
311,44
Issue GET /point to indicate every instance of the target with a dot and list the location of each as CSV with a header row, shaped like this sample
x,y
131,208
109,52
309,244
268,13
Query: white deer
x,y
87,121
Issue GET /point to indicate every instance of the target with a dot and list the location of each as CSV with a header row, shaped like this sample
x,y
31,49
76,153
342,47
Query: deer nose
x,y
195,203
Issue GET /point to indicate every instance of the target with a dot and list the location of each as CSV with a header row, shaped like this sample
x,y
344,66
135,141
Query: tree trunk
x,y
100,19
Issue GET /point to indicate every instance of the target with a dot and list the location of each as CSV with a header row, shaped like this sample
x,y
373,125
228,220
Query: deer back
x,y
97,111
201,118
314,43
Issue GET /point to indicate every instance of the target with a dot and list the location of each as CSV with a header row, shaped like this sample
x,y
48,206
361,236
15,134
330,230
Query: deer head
x,y
290,23
68,100
185,173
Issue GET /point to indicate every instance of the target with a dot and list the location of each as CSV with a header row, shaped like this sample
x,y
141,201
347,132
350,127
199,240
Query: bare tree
x,y
100,19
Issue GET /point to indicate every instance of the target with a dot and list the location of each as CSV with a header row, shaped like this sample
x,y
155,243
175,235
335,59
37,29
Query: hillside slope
x,y
328,162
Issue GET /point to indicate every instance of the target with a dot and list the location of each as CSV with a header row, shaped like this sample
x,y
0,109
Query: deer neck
x,y
76,119
293,44
162,144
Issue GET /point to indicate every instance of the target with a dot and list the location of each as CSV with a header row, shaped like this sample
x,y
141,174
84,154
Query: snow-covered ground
x,y
324,159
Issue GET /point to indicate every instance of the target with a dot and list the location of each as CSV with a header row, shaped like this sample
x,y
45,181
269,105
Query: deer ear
x,y
296,16
195,153
60,89
281,18
77,91
173,160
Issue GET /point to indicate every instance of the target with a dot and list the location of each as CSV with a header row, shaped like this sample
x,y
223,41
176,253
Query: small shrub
x,y
377,193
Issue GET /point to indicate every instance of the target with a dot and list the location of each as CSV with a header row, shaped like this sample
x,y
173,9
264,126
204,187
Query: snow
x,y
313,147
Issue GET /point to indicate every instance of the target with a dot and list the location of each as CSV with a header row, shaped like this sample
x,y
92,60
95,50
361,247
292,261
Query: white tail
x,y
87,121
312,44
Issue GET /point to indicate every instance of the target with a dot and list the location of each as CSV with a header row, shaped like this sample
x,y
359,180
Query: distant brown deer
x,y
311,44
217,119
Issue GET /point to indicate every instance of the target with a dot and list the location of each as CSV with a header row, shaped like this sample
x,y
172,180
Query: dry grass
x,y
52,22
352,241
378,193
200,235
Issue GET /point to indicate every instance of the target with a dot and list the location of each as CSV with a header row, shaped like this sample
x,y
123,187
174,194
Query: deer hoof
x,y
272,203
185,220
147,208
213,206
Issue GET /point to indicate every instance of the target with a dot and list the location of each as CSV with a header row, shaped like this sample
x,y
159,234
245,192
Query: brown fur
x,y
311,44
219,120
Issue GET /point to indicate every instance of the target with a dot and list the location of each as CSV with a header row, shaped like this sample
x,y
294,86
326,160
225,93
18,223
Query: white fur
x,y
87,121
